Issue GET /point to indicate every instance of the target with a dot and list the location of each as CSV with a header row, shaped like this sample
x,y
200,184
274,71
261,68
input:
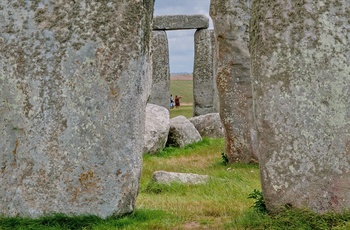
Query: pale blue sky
x,y
181,42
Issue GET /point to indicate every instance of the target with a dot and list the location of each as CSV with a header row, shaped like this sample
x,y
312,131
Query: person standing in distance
x,y
171,102
177,101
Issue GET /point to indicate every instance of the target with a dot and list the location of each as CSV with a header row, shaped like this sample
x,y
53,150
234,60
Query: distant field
x,y
184,88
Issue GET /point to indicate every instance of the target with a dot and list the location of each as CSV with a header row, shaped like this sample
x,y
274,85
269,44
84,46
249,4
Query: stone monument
x,y
204,86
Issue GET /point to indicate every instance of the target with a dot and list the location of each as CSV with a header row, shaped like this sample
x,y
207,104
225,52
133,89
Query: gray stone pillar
x,y
204,83
160,94
300,69
73,87
231,23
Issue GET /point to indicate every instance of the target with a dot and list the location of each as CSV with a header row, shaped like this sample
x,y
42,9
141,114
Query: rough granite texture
x,y
180,22
160,94
156,128
208,125
74,79
182,132
231,25
300,69
205,94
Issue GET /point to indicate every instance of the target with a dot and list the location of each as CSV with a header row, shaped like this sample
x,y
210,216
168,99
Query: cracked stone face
x,y
74,81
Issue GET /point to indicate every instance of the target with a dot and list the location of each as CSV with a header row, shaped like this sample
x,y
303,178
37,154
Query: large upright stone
x,y
204,69
160,94
300,68
74,79
231,22
180,22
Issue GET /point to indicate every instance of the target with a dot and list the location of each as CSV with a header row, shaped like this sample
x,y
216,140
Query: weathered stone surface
x,y
204,70
182,132
74,79
300,69
160,94
186,178
231,20
180,22
156,128
208,125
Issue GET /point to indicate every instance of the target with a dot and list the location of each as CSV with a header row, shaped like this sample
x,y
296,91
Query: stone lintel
x,y
180,22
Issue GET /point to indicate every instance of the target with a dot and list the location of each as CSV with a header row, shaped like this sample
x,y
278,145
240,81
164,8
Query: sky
x,y
181,42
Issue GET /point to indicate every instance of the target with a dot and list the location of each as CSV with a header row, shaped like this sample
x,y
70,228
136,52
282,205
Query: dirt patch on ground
x,y
181,77
191,225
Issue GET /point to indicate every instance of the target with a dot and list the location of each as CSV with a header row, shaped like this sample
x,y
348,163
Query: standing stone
x,y
204,82
74,79
300,69
231,22
160,94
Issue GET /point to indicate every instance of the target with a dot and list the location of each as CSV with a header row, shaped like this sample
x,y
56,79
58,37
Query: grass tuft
x,y
187,150
56,221
259,203
291,219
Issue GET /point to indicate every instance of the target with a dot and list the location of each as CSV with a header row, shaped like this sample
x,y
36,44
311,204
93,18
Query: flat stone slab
x,y
165,177
180,22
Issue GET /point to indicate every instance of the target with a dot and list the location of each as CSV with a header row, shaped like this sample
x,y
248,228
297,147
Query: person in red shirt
x,y
177,101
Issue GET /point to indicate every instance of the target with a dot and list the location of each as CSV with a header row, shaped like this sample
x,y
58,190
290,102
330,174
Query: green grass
x,y
291,219
222,203
186,111
208,205
140,219
183,89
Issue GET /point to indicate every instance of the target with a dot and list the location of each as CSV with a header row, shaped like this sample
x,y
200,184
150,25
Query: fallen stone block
x,y
165,177
156,128
182,132
209,125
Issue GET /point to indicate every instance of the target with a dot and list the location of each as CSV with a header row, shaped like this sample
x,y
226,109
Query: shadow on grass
x,y
61,221
56,221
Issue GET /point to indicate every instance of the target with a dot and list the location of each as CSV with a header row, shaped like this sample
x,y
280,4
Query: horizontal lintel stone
x,y
180,22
